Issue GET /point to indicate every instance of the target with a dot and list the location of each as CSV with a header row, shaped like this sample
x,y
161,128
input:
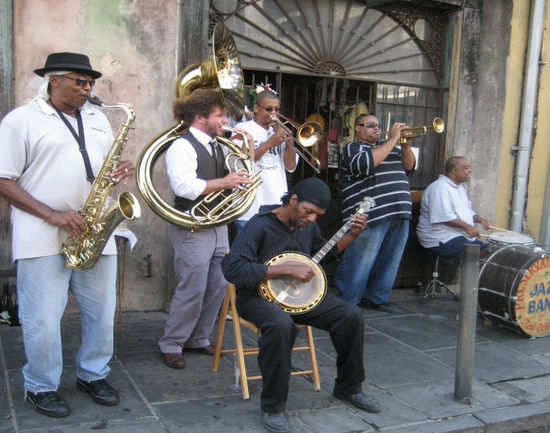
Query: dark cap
x,y
73,62
314,191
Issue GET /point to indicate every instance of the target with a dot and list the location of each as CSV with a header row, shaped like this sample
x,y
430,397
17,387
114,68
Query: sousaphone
x,y
221,72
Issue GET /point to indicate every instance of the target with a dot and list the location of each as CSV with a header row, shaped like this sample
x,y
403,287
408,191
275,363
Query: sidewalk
x,y
409,357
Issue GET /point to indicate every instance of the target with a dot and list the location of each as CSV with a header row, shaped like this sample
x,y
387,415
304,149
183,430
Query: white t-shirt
x,y
443,201
42,156
272,166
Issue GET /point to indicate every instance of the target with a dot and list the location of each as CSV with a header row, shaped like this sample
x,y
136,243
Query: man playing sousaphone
x,y
292,227
195,168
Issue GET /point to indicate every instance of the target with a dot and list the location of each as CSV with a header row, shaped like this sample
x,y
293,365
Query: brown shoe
x,y
206,350
174,360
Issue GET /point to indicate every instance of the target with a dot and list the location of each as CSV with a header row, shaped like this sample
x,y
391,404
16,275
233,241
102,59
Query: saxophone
x,y
83,251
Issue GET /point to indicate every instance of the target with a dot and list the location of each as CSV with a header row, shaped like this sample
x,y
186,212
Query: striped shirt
x,y
387,184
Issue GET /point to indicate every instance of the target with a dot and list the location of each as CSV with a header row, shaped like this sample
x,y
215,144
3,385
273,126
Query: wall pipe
x,y
530,85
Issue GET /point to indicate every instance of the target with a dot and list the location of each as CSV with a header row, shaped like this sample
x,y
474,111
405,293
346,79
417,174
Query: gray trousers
x,y
200,287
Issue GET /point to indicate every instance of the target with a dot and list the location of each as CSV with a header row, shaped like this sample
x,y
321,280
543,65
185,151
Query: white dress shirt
x,y
181,165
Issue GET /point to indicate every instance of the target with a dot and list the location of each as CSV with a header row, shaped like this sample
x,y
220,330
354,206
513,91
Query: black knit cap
x,y
73,62
314,191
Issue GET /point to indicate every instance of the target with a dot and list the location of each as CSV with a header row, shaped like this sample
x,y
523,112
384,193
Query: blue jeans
x,y
455,247
370,263
43,284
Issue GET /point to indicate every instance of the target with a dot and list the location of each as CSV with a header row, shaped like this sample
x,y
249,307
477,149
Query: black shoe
x,y
100,391
276,422
48,403
361,401
381,307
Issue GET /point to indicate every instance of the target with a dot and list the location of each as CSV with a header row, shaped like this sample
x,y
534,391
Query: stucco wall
x,y
541,144
478,95
540,155
133,43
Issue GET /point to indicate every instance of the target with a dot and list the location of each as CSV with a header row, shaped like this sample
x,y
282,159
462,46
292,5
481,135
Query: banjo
x,y
296,297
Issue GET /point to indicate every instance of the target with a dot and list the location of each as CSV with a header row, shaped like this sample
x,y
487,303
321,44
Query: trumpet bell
x,y
309,134
438,125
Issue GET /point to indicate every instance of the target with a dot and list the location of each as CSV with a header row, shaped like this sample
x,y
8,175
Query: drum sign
x,y
514,287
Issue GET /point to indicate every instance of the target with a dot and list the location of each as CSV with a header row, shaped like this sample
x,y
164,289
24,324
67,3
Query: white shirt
x,y
181,165
443,201
272,166
41,155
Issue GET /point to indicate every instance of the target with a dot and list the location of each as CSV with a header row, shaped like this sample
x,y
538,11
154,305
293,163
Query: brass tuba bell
x,y
222,72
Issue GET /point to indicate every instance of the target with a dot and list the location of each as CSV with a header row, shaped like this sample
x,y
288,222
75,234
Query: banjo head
x,y
291,295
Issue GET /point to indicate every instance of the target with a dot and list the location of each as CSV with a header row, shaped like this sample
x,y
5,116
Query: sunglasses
x,y
271,109
369,125
80,81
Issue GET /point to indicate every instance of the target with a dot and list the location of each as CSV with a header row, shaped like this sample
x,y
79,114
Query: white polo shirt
x,y
443,201
41,155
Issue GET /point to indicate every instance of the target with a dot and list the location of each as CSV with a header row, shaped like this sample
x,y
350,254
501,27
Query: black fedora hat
x,y
68,62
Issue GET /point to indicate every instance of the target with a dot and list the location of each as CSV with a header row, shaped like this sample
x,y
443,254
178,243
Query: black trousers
x,y
342,320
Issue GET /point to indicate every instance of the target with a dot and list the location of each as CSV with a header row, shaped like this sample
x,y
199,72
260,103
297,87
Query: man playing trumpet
x,y
370,264
274,152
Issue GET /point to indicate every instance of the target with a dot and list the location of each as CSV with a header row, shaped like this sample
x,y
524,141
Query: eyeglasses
x,y
80,81
369,125
270,109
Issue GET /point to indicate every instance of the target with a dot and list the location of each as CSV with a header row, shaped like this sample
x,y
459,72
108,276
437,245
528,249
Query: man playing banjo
x,y
292,227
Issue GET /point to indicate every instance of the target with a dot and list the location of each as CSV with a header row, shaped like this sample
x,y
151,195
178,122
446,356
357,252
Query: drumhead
x,y
511,238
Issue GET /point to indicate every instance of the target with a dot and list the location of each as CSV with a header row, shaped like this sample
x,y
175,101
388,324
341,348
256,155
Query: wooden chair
x,y
229,306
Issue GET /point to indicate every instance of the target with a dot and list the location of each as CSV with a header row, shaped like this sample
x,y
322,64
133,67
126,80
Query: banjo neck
x,y
332,241
366,204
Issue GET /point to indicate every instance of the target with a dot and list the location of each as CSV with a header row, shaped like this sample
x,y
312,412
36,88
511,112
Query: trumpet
x,y
438,125
307,135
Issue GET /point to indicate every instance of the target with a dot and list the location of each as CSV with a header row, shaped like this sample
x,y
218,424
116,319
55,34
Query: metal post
x,y
465,347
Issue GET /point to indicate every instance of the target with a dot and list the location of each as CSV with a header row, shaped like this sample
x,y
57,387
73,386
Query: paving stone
x,y
227,415
515,418
329,421
84,410
418,331
494,362
104,426
461,424
389,362
531,390
436,399
516,341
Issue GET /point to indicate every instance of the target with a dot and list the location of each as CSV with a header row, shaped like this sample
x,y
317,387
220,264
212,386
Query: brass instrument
x,y
297,297
83,251
438,125
222,72
307,135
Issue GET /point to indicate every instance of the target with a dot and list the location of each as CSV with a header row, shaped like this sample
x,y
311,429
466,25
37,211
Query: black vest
x,y
207,168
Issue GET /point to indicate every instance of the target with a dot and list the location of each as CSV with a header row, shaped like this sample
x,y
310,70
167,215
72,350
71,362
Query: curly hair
x,y
201,102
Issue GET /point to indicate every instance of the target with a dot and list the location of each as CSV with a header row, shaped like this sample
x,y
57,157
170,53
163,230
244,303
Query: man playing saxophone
x,y
195,168
51,149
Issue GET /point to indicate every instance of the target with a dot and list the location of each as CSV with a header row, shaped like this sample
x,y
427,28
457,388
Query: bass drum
x,y
514,288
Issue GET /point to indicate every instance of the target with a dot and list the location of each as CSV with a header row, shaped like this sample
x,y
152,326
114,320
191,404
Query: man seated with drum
x,y
292,227
447,220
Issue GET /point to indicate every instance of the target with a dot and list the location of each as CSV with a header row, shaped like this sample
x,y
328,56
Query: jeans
x,y
42,289
370,263
455,246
